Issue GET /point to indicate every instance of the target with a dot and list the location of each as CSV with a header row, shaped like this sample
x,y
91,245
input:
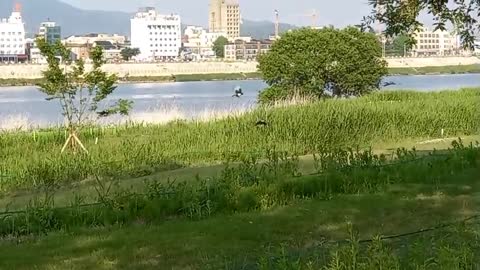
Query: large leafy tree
x,y
219,46
79,91
402,16
128,53
310,62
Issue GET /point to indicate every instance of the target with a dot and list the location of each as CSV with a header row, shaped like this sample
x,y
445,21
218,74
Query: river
x,y
22,107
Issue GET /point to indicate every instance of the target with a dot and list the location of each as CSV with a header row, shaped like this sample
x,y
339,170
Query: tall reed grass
x,y
128,150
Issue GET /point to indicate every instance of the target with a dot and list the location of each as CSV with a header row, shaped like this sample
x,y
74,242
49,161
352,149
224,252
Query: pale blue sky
x,y
337,12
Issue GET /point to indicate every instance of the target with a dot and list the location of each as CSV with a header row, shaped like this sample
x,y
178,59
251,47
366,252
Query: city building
x,y
80,50
159,37
243,50
93,37
224,16
82,45
111,52
49,31
12,38
435,43
198,43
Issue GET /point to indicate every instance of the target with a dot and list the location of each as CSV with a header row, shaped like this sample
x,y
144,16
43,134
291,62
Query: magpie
x,y
238,92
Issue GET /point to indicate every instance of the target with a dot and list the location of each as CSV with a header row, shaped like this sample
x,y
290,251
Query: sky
x,y
298,12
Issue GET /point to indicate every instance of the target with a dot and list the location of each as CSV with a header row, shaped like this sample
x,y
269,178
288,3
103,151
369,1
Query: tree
x,y
399,45
317,63
402,16
219,46
79,92
128,53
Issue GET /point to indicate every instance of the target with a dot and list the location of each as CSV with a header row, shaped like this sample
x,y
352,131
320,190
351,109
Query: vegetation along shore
x,y
460,69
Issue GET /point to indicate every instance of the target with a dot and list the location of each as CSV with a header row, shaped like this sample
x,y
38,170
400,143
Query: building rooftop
x,y
106,45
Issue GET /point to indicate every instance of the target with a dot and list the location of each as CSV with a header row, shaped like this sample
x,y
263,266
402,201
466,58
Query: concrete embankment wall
x,y
431,62
22,71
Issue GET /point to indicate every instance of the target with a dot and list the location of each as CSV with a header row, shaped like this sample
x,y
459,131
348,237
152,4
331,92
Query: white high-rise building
x,y
157,36
12,38
200,42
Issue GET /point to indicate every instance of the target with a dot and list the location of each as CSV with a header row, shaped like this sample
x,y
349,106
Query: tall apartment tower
x,y
225,17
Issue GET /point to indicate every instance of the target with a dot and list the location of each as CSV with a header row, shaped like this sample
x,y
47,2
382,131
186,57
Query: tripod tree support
x,y
73,141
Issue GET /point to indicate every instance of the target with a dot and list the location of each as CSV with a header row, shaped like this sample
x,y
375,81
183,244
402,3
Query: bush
x,y
322,62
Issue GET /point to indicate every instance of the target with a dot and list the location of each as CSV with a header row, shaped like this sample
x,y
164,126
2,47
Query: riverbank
x,y
154,79
433,70
458,69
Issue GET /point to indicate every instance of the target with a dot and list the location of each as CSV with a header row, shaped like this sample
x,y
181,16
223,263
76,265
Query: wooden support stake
x,y
66,143
73,140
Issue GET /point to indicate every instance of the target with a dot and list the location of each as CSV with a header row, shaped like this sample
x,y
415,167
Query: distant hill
x,y
72,20
78,21
262,29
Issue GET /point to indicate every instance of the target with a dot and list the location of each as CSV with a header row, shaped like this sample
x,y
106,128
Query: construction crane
x,y
313,15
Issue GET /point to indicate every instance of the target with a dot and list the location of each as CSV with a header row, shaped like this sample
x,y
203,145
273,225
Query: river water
x,y
22,107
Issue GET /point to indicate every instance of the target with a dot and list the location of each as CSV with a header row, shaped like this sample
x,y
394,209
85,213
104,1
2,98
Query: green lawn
x,y
64,195
233,241
301,229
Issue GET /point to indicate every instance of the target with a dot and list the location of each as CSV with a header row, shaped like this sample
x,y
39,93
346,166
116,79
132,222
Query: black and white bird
x,y
238,92
261,123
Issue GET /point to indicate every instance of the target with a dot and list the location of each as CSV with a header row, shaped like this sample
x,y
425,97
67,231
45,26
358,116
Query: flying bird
x,y
385,84
238,92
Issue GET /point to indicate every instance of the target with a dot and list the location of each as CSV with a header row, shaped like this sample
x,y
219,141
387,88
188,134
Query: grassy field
x,y
464,69
314,188
320,226
28,159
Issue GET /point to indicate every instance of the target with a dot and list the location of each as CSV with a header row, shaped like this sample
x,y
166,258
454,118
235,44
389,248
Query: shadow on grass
x,y
239,239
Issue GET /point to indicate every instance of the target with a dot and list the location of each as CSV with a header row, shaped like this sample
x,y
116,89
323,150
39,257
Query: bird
x,y
385,84
261,123
103,113
238,92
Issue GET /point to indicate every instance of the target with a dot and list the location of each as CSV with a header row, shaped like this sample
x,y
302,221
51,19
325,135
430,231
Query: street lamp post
x,y
384,42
